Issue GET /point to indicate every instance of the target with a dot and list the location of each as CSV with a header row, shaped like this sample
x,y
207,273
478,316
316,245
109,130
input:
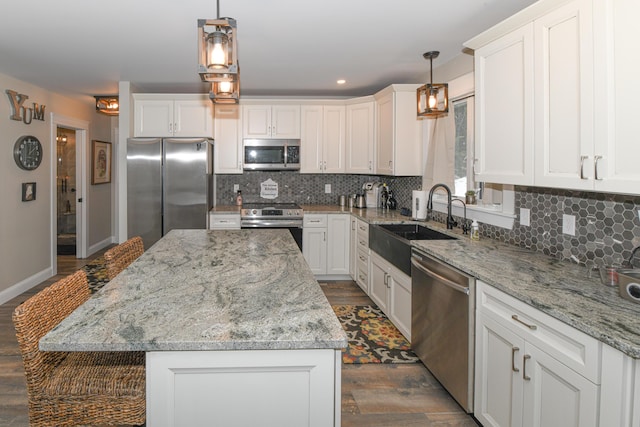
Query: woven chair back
x,y
34,318
119,257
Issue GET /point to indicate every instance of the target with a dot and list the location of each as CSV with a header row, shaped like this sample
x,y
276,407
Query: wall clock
x,y
27,152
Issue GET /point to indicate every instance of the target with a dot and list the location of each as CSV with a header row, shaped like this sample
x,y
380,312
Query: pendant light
x,y
225,92
217,49
107,105
433,98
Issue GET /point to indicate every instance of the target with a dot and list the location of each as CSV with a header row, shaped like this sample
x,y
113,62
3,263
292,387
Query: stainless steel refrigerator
x,y
169,185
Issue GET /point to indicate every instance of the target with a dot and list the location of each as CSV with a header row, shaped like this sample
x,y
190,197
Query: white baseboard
x,y
101,245
28,283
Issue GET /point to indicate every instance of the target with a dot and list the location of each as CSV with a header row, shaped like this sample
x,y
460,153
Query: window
x,y
463,151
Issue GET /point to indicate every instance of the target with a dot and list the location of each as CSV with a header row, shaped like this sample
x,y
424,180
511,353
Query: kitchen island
x,y
236,330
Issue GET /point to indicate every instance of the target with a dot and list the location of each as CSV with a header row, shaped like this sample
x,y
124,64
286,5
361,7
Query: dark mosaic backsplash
x,y
309,188
607,225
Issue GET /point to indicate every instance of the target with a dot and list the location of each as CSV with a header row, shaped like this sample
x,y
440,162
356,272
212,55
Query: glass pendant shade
x,y
432,98
225,92
217,50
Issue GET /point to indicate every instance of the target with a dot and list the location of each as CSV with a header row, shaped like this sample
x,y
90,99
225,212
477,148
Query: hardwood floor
x,y
372,395
391,395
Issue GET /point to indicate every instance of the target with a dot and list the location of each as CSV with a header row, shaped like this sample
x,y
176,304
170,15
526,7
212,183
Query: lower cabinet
x,y
224,221
325,243
362,254
531,369
390,289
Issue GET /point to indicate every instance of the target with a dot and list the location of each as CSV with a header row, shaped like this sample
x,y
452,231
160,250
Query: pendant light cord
x,y
218,8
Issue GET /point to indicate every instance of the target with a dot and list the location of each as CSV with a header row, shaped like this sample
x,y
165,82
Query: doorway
x,y
65,191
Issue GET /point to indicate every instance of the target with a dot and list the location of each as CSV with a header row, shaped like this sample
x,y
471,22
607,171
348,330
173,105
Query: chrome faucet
x,y
629,263
450,221
465,227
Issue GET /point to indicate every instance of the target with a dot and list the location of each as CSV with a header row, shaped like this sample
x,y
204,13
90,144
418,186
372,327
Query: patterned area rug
x,y
372,336
96,273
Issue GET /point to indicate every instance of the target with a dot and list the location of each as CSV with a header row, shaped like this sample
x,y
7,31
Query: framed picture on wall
x,y
100,162
28,191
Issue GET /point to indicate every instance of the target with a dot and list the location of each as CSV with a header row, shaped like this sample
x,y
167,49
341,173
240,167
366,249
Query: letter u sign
x,y
21,113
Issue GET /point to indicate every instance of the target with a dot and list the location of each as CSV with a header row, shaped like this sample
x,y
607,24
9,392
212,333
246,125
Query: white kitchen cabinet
x,y
322,139
227,139
504,109
172,115
353,247
271,121
532,370
564,94
325,243
390,289
362,254
620,389
617,146
219,221
398,132
360,138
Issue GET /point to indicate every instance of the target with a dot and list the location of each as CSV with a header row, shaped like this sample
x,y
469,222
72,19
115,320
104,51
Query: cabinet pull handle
x,y
514,350
353,225
524,367
361,258
170,127
324,236
473,166
582,159
595,167
370,164
361,277
532,327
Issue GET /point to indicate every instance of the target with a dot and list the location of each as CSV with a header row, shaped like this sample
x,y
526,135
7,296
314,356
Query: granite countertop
x,y
561,289
207,290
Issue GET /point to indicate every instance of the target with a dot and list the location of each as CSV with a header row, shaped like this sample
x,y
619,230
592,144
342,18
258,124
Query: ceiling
x,y
285,47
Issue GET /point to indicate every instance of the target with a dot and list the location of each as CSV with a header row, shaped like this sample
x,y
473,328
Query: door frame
x,y
81,128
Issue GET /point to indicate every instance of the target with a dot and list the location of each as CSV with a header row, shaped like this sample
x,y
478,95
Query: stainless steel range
x,y
273,215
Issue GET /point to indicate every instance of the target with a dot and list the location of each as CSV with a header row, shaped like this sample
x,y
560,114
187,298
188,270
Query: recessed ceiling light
x,y
341,81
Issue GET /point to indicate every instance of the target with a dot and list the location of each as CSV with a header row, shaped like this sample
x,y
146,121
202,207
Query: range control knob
x,y
254,212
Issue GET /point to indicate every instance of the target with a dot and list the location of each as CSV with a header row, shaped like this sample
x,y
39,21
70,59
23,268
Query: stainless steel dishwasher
x,y
442,324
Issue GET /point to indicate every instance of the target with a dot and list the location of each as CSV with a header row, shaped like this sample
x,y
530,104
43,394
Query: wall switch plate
x,y
569,224
525,217
327,188
236,187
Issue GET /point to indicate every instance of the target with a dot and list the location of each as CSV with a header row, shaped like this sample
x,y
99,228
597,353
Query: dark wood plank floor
x,y
372,395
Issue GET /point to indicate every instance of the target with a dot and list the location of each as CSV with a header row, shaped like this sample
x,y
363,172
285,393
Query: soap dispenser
x,y
475,230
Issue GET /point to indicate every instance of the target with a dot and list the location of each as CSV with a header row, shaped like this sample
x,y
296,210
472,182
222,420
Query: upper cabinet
x,y
398,132
271,121
504,109
167,115
617,145
228,139
361,137
547,112
322,139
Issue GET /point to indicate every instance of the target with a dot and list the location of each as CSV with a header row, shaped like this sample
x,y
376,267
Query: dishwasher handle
x,y
439,278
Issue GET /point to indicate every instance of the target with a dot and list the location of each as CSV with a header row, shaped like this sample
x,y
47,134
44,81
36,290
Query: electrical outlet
x,y
525,217
569,224
236,187
327,188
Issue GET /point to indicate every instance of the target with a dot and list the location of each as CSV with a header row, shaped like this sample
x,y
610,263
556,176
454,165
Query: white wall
x,y
26,227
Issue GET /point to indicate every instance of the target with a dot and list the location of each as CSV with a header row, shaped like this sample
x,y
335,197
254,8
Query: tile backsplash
x,y
294,187
607,227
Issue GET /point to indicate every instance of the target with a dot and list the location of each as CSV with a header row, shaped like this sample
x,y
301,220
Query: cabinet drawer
x,y
362,230
225,221
569,346
362,277
314,220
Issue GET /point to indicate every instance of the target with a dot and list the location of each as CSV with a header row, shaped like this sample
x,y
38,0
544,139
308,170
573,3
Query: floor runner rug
x,y
372,337
96,273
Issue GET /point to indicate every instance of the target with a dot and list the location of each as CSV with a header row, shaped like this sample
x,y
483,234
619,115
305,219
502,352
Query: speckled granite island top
x,y
207,290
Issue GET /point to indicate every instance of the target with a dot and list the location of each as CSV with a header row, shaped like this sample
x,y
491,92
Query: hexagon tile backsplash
x,y
606,231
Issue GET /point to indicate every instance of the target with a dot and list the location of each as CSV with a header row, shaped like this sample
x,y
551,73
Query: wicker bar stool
x,y
75,388
119,257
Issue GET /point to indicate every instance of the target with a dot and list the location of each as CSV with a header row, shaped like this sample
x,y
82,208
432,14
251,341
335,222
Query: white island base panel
x,y
244,388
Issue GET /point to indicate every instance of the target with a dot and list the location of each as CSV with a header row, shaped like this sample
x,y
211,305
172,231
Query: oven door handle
x,y
439,278
263,223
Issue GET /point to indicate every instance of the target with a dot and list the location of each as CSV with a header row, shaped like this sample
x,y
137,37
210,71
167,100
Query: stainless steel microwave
x,y
271,154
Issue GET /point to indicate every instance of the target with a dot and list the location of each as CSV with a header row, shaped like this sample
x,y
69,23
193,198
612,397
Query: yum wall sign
x,y
22,113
